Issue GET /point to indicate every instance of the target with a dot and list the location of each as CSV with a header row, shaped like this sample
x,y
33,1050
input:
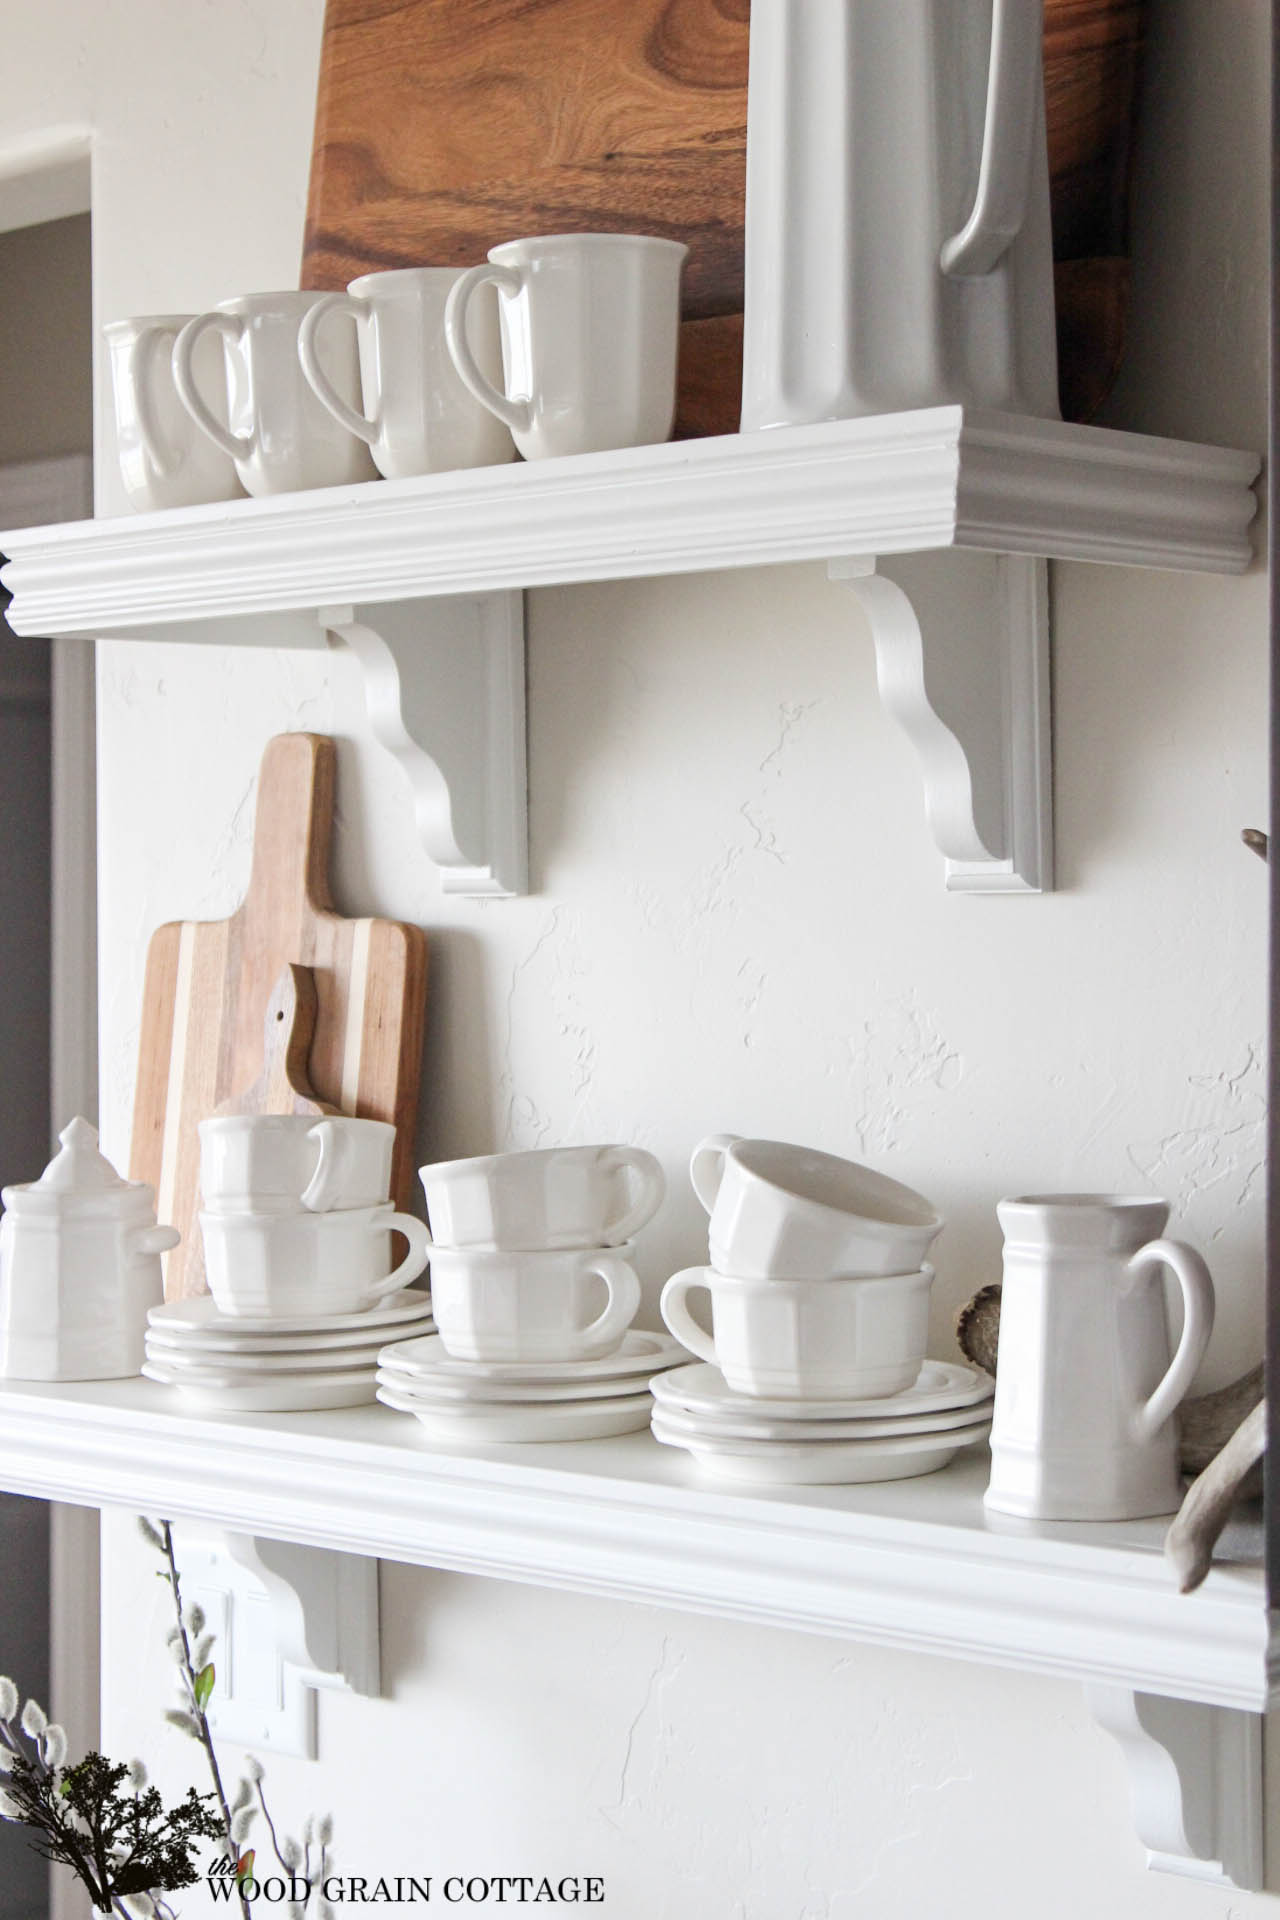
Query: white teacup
x,y
164,460
283,1264
418,418
832,1339
590,333
527,1306
277,432
780,1212
549,1197
279,1162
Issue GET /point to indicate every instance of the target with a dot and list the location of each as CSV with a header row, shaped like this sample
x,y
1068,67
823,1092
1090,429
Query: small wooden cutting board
x,y
209,983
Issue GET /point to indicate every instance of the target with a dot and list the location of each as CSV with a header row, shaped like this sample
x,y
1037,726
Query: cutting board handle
x,y
293,823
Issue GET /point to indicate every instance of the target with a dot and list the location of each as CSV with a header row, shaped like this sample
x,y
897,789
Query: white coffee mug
x,y
277,432
164,460
590,332
278,1162
261,1265
549,1197
418,417
780,1212
850,1339
532,1306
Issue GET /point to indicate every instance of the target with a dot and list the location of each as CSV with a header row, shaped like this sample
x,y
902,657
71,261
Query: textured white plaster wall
x,y
737,921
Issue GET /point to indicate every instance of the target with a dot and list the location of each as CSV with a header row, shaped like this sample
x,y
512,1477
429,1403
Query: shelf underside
x,y
913,1564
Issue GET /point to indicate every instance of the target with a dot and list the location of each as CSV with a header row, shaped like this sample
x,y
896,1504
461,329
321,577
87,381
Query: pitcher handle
x,y
1015,120
1197,1294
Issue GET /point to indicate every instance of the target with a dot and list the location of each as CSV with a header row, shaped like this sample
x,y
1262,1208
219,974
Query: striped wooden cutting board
x,y
208,984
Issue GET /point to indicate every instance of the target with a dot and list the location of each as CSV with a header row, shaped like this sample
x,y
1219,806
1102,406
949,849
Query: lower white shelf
x,y
913,1564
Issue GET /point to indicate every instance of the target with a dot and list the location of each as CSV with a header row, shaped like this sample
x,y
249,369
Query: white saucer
x,y
250,1366
640,1353
829,1463
297,1393
940,1386
419,1385
498,1426
715,1426
217,1345
201,1316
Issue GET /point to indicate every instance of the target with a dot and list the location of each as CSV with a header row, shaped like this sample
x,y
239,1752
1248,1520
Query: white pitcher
x,y
898,243
1084,1424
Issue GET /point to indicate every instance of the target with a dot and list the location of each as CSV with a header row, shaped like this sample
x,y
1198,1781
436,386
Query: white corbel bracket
x,y
1196,1776
286,1620
962,661
445,692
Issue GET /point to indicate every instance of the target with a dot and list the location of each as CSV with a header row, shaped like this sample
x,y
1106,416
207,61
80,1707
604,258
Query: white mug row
x,y
555,345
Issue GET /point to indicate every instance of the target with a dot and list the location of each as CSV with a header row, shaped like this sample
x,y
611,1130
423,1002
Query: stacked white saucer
x,y
534,1294
820,1307
278,1364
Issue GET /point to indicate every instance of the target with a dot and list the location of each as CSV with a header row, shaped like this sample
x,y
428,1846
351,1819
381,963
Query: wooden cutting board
x,y
446,126
209,984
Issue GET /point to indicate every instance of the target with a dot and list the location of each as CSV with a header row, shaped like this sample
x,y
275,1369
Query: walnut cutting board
x,y
209,983
446,126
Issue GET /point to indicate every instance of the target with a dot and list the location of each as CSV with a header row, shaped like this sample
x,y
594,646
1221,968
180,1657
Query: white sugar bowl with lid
x,y
79,1267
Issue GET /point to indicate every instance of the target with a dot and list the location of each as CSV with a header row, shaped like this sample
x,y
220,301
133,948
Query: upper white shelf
x,y
912,1564
897,483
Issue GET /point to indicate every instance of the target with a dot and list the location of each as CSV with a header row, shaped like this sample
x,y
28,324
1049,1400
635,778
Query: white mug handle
x,y
238,446
651,1184
143,355
706,1165
1014,120
324,1189
316,377
619,1310
414,1261
1197,1293
517,414
678,1317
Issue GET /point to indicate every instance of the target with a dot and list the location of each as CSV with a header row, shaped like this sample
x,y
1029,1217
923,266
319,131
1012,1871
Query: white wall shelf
x,y
423,578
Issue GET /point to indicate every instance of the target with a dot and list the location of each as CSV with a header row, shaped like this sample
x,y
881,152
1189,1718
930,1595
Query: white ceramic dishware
x,y
898,248
641,1354
744,1427
418,417
261,1264
278,1162
79,1267
440,1392
824,1463
199,1320
193,1346
590,331
940,1386
504,1426
289,1393
164,460
548,1197
277,433
807,1339
253,1366
1085,1418
524,1306
791,1213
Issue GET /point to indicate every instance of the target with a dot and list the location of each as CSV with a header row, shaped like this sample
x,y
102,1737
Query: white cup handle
x,y
620,1309
706,1165
238,446
165,458
651,1184
678,1317
323,1190
517,414
1197,1293
414,1261
318,380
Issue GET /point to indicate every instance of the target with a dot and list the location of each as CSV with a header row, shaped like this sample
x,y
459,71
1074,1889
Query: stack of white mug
x,y
819,1288
297,1228
534,1295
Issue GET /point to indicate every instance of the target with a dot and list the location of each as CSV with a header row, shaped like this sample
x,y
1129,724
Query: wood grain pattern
x,y
208,984
446,126
288,1029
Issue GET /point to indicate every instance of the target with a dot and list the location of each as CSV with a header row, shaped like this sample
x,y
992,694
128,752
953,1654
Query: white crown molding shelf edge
x,y
962,653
